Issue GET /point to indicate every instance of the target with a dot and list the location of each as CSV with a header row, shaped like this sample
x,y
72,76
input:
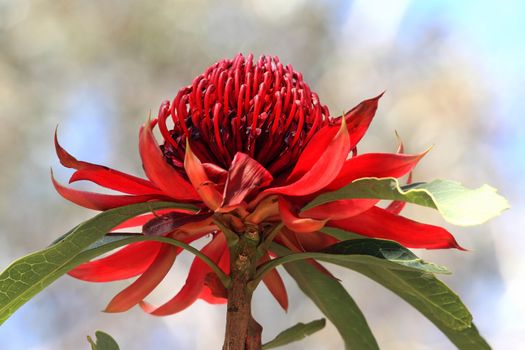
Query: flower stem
x,y
242,331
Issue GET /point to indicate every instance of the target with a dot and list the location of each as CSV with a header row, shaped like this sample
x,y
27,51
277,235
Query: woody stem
x,y
242,331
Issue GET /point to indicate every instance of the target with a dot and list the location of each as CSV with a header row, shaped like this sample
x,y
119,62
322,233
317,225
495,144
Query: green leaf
x,y
27,276
387,251
457,204
399,270
103,342
333,300
295,333
364,251
433,299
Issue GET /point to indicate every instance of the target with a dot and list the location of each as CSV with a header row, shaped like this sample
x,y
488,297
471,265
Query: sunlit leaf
x,y
295,333
457,204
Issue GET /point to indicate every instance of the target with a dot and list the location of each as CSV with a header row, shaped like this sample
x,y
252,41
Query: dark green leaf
x,y
333,300
399,270
295,333
457,204
27,276
361,251
387,251
103,341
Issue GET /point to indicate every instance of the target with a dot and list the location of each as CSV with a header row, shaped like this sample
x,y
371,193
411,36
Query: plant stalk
x,y
242,331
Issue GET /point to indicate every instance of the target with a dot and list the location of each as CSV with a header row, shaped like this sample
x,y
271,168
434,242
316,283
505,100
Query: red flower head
x,y
250,144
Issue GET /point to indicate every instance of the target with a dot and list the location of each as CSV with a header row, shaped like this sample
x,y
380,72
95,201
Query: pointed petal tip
x,y
65,158
111,309
458,247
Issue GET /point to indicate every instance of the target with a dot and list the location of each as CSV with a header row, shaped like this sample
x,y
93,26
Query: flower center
x,y
264,109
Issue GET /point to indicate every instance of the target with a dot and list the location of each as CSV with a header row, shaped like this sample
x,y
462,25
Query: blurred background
x,y
453,74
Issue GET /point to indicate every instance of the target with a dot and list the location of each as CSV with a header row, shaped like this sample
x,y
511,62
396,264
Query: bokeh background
x,y
454,76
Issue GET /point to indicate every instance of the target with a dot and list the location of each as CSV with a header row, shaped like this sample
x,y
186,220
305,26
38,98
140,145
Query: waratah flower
x,y
249,143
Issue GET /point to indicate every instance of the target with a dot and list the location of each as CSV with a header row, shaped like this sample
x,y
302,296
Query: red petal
x,y
275,285
102,175
376,165
129,261
207,294
357,121
316,241
379,223
245,175
172,221
200,181
137,221
290,240
99,201
340,209
215,173
159,171
139,289
114,180
140,220
313,151
194,283
295,223
325,169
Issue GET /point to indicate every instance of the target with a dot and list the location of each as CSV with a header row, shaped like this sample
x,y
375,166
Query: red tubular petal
x,y
159,171
129,261
340,209
99,201
379,223
275,285
245,175
322,172
200,181
295,223
375,165
194,283
102,175
139,289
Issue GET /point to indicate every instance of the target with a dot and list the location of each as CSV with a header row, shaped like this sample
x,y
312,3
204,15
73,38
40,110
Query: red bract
x,y
248,143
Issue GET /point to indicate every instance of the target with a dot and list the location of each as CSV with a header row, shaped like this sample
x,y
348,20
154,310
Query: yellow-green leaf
x,y
457,204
